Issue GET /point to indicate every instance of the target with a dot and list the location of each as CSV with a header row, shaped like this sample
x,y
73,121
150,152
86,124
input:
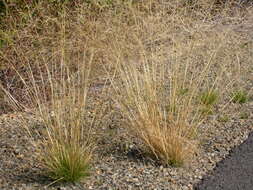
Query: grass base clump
x,y
209,98
67,163
239,96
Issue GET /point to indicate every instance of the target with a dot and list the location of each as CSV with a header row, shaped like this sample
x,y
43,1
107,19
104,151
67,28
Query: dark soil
x,y
235,172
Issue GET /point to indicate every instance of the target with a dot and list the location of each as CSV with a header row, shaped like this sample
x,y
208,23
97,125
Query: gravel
x,y
119,161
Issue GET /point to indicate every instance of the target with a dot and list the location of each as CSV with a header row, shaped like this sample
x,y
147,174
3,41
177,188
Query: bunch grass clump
x,y
58,99
239,96
158,113
67,163
67,144
209,98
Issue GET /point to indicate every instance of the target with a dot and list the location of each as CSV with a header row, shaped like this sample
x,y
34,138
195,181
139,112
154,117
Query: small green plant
x,y
223,118
175,163
239,96
6,38
207,101
209,98
244,115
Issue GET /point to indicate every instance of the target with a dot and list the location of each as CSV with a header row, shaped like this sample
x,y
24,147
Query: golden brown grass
x,y
161,83
59,101
160,101
156,113
56,90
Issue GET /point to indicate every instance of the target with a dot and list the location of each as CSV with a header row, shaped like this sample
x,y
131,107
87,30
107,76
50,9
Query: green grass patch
x,y
209,98
239,96
223,119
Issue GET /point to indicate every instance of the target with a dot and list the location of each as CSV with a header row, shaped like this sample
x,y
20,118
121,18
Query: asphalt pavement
x,y
235,172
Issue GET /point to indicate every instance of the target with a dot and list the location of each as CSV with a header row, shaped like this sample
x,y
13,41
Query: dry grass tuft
x,y
58,96
67,144
164,118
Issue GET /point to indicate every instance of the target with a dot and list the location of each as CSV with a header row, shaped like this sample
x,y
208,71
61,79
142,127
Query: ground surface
x,y
119,161
235,172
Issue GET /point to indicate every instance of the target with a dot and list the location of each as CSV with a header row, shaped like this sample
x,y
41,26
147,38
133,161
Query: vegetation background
x,y
164,66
